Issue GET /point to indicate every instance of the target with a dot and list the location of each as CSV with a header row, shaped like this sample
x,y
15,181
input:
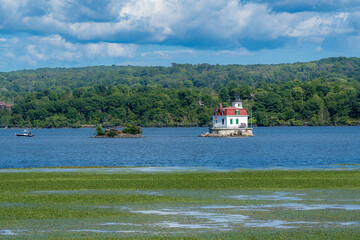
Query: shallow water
x,y
210,211
278,147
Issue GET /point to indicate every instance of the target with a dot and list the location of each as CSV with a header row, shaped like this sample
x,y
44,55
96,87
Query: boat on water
x,y
26,133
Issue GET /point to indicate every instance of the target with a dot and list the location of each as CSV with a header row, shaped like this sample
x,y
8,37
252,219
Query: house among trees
x,y
4,105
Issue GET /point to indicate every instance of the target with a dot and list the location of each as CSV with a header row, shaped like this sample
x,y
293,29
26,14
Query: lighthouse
x,y
231,121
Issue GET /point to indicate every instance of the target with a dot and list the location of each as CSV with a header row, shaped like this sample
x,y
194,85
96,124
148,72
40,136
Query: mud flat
x,y
114,203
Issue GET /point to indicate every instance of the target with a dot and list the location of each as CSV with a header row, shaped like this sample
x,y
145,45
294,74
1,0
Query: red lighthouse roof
x,y
230,111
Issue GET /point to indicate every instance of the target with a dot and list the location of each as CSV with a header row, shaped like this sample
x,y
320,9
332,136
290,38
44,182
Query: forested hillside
x,y
325,92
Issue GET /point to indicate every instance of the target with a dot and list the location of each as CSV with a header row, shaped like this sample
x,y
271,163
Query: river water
x,y
278,147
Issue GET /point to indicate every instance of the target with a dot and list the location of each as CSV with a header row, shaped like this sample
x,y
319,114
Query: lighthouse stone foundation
x,y
225,132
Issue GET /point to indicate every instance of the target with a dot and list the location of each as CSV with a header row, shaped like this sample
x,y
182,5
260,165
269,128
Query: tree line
x,y
325,92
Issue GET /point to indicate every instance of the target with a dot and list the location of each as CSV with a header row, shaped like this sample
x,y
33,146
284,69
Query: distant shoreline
x,y
184,127
170,169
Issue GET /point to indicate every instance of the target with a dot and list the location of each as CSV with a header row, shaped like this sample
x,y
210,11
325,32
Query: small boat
x,y
25,134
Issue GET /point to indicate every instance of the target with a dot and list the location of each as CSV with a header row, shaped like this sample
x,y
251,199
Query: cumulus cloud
x,y
204,23
71,30
110,49
35,53
321,26
54,48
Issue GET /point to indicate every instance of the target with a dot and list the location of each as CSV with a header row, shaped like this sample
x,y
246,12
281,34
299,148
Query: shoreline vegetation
x,y
317,93
130,131
249,204
305,126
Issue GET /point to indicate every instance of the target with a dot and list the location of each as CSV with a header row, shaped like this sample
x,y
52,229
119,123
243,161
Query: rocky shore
x,y
121,135
228,133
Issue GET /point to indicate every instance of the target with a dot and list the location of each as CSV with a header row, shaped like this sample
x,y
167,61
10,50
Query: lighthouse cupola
x,y
237,103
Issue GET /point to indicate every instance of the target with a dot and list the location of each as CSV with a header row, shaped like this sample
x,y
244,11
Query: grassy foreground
x,y
224,205
272,179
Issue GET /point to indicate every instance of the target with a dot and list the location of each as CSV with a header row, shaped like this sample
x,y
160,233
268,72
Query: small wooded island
x,y
131,131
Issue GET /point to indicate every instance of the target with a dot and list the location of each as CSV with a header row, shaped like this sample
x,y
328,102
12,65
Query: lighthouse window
x,y
222,112
223,121
231,121
237,121
236,112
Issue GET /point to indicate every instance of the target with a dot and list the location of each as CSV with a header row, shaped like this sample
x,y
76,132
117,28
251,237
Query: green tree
x,y
99,131
132,129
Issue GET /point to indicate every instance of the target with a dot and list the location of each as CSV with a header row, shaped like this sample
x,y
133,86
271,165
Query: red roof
x,y
3,104
230,111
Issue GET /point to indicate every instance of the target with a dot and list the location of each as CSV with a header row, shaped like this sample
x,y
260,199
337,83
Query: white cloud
x,y
167,54
319,49
55,48
321,26
55,41
183,22
74,30
234,53
34,53
119,50
91,30
110,49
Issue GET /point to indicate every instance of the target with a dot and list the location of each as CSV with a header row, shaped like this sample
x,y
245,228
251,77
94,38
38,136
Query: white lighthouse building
x,y
231,120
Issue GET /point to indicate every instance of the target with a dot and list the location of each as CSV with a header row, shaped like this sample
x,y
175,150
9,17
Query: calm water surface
x,y
280,147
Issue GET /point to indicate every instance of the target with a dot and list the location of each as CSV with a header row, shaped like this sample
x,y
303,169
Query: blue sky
x,y
73,33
